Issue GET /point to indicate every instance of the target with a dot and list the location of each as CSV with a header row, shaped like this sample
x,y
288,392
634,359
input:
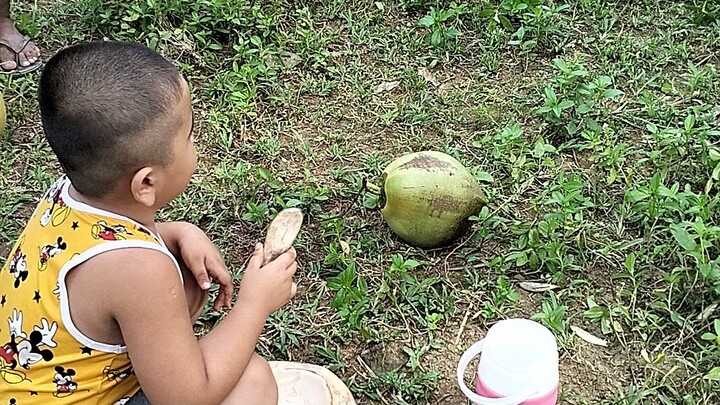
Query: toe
x,y
8,65
31,52
24,62
7,59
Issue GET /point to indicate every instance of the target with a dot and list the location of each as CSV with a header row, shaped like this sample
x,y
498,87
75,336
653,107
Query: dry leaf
x,y
428,76
536,287
290,60
588,337
345,247
707,312
645,356
386,86
445,87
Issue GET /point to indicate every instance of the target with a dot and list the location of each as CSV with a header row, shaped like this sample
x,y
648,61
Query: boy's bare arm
x,y
188,242
149,305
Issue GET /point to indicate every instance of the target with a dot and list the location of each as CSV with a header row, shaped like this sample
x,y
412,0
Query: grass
x,y
593,126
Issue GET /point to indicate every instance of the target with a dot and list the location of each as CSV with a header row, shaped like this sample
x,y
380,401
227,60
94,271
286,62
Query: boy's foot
x,y
17,53
308,384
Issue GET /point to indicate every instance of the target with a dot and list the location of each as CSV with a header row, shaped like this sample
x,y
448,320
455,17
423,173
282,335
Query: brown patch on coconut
x,y
446,203
425,162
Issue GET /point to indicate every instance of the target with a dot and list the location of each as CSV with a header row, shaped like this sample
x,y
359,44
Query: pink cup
x,y
548,399
518,365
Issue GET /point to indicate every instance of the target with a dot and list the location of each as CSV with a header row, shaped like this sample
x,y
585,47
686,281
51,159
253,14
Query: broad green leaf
x,y
505,23
544,109
689,122
630,263
487,12
426,21
633,196
585,107
561,64
566,104
453,33
550,94
611,93
714,154
604,81
436,38
411,264
557,111
571,128
484,176
713,375
683,238
595,312
716,172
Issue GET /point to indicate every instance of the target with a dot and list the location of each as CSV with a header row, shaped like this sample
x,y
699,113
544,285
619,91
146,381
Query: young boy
x,y
94,282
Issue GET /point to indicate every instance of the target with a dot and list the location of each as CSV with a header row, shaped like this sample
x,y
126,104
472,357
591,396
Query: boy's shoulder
x,y
124,279
116,286
130,266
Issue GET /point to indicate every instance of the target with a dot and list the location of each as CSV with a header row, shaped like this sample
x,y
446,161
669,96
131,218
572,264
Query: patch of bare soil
x,y
590,374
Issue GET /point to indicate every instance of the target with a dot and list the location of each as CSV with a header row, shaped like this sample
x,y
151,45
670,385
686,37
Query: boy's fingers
x,y
196,265
219,272
257,257
285,259
197,268
224,300
202,278
228,291
228,301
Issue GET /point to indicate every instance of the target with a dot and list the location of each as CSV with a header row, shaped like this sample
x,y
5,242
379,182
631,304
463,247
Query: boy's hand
x,y
270,287
205,262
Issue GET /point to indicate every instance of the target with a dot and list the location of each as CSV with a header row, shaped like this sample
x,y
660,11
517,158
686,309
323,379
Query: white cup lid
x,y
522,343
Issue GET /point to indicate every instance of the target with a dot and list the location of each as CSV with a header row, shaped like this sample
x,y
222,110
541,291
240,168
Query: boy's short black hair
x,y
105,111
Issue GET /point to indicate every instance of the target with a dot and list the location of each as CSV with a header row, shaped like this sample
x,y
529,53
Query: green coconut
x,y
3,113
428,198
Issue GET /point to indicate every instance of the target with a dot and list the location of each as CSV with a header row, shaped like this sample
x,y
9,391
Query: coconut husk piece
x,y
281,233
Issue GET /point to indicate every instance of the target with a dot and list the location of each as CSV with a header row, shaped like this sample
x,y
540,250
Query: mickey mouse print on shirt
x,y
117,375
63,379
58,212
47,252
18,266
22,350
101,230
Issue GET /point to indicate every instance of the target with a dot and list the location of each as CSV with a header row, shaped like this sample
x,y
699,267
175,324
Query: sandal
x,y
17,48
308,384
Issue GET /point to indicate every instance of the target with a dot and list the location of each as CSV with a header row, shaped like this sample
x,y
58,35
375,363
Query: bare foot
x,y
10,34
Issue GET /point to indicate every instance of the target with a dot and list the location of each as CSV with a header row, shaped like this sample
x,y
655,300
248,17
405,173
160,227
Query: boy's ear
x,y
144,187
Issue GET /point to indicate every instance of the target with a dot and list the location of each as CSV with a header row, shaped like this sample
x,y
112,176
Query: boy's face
x,y
184,160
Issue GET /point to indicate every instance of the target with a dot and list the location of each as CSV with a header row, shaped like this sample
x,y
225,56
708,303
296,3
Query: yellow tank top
x,y
45,359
